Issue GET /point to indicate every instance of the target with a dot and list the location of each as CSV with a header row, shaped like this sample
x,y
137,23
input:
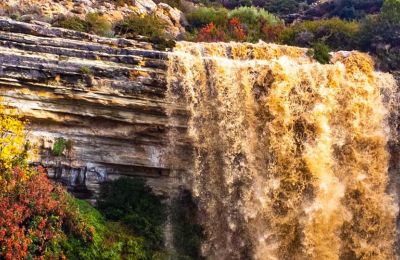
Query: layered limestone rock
x,y
48,10
105,97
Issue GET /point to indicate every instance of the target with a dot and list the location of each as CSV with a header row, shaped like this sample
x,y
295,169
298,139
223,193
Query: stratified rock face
x,y
48,10
104,96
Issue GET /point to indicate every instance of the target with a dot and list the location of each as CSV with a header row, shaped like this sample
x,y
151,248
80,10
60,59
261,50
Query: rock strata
x,y
49,10
105,97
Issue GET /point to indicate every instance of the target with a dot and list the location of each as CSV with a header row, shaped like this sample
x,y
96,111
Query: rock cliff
x,y
49,10
105,96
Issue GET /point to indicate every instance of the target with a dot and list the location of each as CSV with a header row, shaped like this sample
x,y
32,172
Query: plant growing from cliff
x,y
134,25
72,23
93,23
320,52
98,24
60,145
149,26
86,70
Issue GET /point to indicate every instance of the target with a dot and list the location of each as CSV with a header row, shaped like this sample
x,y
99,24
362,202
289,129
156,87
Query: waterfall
x,y
290,157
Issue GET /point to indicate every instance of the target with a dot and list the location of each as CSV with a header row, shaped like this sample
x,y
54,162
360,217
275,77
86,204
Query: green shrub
x,y
134,25
251,16
206,15
59,146
390,12
349,10
132,202
94,23
337,34
72,23
242,24
320,52
379,35
111,240
384,36
76,248
98,24
121,242
149,26
257,22
85,70
369,27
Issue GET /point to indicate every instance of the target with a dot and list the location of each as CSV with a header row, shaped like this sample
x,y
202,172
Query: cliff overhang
x,y
105,96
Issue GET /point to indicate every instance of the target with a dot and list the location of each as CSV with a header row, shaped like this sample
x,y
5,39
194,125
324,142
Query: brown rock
x,y
105,96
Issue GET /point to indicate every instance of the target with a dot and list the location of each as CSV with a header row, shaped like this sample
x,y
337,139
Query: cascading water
x,y
290,156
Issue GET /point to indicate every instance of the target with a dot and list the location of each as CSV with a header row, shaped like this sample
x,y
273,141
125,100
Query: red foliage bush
x,y
238,32
235,29
33,213
210,33
272,32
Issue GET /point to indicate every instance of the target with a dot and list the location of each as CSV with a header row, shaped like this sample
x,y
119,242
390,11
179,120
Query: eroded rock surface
x,y
104,96
48,10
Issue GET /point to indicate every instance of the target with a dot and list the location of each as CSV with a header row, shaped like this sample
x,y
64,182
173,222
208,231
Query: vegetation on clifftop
x,y
93,23
253,20
242,24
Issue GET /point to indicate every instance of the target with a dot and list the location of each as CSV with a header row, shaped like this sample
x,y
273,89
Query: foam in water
x,y
290,156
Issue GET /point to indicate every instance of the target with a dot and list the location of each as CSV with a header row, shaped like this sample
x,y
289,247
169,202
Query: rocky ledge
x,y
105,97
114,11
